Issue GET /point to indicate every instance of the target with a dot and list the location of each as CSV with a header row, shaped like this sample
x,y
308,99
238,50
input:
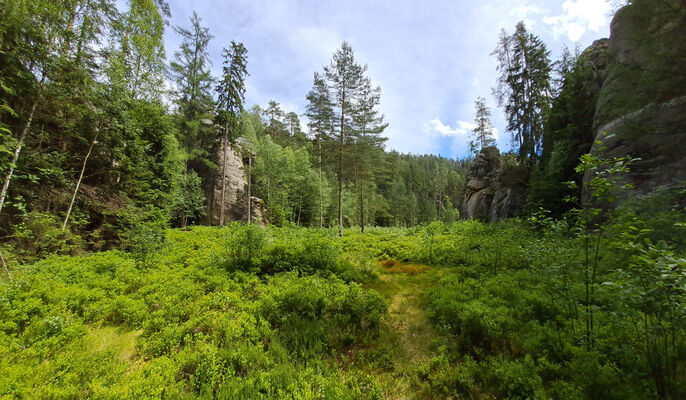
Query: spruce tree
x,y
482,135
231,93
190,72
275,116
320,114
368,142
523,88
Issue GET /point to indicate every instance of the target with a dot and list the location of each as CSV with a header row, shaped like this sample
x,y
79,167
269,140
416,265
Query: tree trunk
x,y
78,182
361,208
249,190
20,144
300,207
223,197
4,266
321,199
358,185
184,217
340,170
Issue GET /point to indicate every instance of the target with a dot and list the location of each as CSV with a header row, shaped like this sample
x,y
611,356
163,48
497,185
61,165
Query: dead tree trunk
x,y
78,182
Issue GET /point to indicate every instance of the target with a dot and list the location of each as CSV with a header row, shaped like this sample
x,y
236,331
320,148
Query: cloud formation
x,y
431,59
580,16
436,126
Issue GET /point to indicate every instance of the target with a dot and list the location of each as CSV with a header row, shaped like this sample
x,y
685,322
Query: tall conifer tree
x,y
190,71
523,88
368,149
344,75
482,134
320,115
231,90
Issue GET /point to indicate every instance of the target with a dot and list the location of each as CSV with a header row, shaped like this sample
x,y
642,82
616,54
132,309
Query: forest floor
x,y
407,335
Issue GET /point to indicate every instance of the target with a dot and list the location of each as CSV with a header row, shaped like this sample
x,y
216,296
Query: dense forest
x,y
161,238
94,145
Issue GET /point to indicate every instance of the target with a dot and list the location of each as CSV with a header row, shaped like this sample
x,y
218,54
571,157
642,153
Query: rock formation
x,y
235,202
642,103
488,194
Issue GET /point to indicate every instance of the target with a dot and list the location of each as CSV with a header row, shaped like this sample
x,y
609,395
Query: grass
x,y
121,342
407,335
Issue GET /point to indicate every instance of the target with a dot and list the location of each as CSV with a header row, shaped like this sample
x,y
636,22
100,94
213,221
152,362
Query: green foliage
x,y
246,311
144,239
244,245
588,306
39,236
190,204
568,131
98,326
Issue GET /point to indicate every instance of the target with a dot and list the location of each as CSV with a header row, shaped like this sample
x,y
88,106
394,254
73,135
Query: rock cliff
x,y
235,202
489,195
642,103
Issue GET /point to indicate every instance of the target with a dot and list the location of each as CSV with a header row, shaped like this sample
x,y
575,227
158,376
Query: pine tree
x,y
319,112
292,124
523,88
344,75
190,72
368,142
275,116
482,135
231,91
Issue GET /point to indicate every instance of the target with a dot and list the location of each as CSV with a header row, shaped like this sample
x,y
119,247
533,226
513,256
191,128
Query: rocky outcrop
x,y
595,59
641,109
488,194
235,202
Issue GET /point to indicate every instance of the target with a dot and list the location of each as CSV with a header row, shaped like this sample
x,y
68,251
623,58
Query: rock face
x,y
488,195
235,202
642,103
595,59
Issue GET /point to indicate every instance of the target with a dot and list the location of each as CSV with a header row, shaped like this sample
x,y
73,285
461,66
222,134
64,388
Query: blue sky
x,y
431,58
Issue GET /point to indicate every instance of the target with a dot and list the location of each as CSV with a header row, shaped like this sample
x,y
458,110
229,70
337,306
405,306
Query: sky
x,y
431,58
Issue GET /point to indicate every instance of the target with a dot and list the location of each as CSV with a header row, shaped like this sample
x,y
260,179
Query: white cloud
x,y
437,126
580,16
496,133
525,13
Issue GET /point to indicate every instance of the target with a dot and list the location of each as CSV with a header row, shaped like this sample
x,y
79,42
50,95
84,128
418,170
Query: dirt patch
x,y
388,263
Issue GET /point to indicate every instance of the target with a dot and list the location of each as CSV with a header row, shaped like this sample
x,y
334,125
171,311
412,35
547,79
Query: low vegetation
x,y
463,310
